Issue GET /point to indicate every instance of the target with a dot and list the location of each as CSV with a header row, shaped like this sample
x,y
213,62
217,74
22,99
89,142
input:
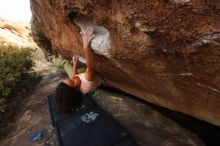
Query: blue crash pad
x,y
89,126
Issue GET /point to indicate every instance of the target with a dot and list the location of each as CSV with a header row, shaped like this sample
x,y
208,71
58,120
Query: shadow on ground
x,y
208,133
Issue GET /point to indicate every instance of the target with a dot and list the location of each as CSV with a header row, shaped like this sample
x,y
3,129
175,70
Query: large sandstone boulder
x,y
165,51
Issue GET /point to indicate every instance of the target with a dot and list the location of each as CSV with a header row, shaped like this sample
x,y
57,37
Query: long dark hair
x,y
67,98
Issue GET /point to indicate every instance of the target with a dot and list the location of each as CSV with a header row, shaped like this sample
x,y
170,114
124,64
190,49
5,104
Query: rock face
x,y
166,52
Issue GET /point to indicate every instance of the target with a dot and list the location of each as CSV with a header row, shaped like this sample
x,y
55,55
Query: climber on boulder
x,y
68,92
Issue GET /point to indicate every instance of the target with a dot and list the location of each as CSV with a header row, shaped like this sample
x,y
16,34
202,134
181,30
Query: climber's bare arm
x,y
87,37
90,70
74,61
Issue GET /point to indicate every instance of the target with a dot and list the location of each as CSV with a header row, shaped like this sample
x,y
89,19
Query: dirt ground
x,y
144,124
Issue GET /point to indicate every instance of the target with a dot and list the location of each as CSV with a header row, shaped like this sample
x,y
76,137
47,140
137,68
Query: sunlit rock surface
x,y
166,52
15,33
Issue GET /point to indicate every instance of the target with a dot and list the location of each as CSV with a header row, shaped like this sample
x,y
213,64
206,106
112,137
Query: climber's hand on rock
x,y
74,61
87,37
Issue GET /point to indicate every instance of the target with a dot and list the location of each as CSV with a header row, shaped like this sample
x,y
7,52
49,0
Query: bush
x,y
15,62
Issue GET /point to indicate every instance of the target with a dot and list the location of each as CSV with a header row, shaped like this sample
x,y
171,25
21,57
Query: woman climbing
x,y
68,92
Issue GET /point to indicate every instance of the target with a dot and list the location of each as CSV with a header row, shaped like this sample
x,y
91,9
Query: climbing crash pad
x,y
90,125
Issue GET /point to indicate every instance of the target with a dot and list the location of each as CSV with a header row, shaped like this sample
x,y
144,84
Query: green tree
x,y
15,62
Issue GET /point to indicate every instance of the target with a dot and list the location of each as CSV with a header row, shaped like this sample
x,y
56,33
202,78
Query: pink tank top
x,y
88,86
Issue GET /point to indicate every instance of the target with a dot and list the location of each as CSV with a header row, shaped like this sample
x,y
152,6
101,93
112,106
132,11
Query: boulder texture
x,y
166,52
